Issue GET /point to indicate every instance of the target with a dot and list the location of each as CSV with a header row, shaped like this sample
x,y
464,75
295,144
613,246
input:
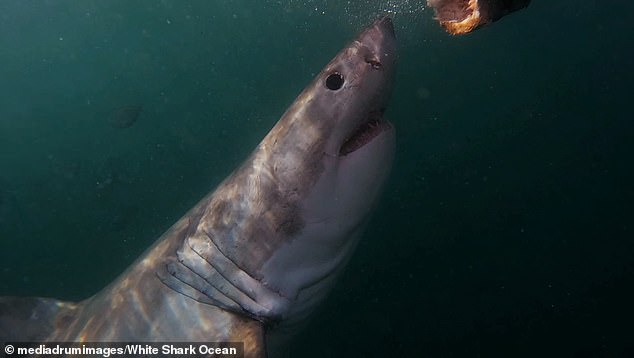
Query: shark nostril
x,y
374,63
334,81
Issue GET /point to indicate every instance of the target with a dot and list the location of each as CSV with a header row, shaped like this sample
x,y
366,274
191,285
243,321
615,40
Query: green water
x,y
506,227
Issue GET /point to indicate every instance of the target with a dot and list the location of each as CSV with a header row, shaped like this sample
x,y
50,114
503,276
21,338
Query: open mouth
x,y
364,134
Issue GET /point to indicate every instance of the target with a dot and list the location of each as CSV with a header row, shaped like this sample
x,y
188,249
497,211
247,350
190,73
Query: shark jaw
x,y
371,128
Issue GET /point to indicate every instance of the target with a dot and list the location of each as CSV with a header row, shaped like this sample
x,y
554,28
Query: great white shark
x,y
253,258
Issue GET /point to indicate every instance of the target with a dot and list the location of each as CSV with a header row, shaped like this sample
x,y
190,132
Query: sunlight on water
x,y
411,14
356,9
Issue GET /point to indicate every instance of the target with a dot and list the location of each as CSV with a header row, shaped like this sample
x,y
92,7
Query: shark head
x,y
328,156
277,231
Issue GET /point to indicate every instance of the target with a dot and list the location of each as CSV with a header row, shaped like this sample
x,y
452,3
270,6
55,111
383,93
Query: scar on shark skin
x,y
459,17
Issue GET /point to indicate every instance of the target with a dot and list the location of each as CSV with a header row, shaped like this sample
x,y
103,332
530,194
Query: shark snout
x,y
385,24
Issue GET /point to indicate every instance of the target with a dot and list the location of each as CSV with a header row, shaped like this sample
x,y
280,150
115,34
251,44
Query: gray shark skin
x,y
253,258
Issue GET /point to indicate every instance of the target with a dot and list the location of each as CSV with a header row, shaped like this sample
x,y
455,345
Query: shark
x,y
253,259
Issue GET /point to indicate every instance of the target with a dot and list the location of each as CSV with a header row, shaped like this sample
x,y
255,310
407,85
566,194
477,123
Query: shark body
x,y
253,258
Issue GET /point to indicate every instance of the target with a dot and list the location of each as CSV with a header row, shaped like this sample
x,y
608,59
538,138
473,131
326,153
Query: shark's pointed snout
x,y
380,34
380,39
386,25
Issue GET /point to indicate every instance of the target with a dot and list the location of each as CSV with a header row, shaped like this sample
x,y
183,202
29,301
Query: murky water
x,y
506,226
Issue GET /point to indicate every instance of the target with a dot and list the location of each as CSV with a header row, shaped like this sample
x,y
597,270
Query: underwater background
x,y
507,225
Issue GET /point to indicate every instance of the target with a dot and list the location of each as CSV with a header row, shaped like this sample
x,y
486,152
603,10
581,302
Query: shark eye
x,y
334,81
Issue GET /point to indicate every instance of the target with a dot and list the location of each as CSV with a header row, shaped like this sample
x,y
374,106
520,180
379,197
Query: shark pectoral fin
x,y
31,319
